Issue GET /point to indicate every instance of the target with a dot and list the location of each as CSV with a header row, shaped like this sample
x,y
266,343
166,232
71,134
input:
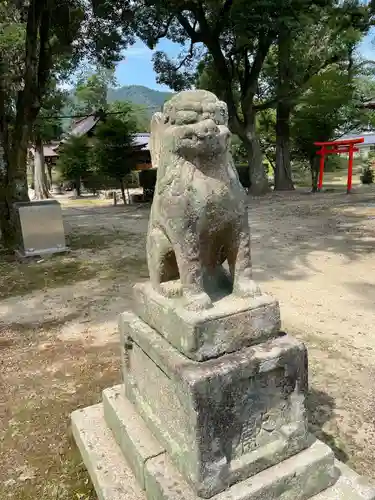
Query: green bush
x,y
244,175
335,162
147,181
368,175
132,180
73,163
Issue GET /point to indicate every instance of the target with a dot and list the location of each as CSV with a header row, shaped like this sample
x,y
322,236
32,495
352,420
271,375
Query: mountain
x,y
152,100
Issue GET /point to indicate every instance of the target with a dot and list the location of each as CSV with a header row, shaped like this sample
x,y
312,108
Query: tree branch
x,y
293,94
252,75
164,32
190,30
188,56
24,98
222,17
45,52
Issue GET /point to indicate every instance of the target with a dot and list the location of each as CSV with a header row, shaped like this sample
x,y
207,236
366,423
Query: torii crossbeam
x,y
347,146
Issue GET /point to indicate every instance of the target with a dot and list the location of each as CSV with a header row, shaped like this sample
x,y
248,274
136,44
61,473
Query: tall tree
x,y
112,152
125,111
234,40
74,161
306,45
307,41
329,108
50,37
47,128
91,90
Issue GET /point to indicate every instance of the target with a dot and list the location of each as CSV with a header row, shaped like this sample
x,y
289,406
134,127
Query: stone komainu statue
x,y
199,214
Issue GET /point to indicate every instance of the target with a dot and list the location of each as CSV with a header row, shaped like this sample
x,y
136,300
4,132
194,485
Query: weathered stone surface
x,y
199,213
157,126
349,486
113,479
297,478
232,322
134,439
111,476
220,420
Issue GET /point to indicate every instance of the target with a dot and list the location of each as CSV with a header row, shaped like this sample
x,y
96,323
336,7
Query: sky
x,y
136,67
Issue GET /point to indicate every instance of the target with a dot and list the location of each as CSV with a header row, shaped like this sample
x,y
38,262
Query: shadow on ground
x,y
320,410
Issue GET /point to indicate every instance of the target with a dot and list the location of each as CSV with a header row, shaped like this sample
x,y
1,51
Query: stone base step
x,y
113,478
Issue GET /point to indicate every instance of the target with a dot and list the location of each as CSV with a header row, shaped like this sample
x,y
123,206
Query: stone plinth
x,y
232,323
227,428
125,462
224,419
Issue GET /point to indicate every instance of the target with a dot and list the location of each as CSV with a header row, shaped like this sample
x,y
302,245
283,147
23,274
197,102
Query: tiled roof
x,y
84,126
47,150
142,140
369,138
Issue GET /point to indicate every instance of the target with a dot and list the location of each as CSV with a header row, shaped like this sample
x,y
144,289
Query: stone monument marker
x,y
212,400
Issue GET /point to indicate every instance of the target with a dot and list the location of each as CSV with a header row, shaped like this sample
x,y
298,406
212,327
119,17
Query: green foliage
x,y
266,128
90,93
151,100
135,114
334,163
73,163
147,181
238,150
243,174
325,108
46,126
368,175
112,150
147,178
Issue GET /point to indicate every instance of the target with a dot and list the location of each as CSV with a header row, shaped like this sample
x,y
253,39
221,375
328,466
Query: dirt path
x,y
58,339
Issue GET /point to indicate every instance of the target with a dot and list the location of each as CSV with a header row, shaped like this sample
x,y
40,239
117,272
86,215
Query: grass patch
x,y
39,458
20,278
85,202
98,240
92,241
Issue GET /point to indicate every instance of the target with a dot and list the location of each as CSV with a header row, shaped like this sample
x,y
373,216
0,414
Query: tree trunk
x,y
123,191
31,172
41,189
283,170
13,146
5,226
49,174
314,167
258,177
14,189
77,188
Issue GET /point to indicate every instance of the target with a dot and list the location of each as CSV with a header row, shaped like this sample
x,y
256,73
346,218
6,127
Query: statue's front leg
x,y
187,251
239,260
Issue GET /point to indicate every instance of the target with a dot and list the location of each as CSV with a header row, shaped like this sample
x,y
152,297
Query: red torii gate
x,y
337,147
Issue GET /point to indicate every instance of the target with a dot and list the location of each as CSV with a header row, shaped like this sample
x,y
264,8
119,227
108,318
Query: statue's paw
x,y
198,301
247,288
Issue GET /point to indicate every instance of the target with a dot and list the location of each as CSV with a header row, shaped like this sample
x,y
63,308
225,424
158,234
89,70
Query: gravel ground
x,y
59,346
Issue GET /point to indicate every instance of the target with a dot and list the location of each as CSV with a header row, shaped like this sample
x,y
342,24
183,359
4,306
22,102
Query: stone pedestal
x,y
211,406
221,420
232,323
